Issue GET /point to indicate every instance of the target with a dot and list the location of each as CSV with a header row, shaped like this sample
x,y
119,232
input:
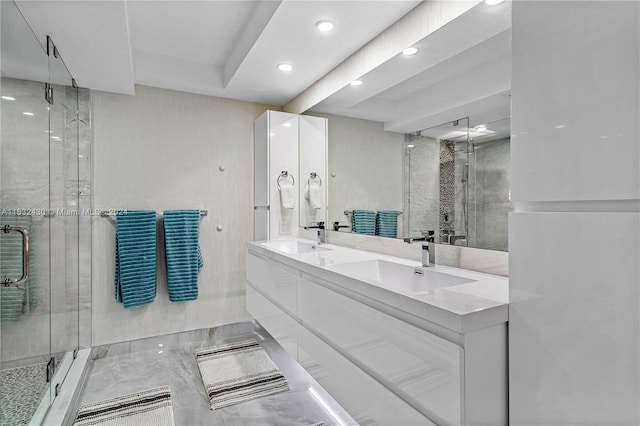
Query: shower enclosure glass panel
x,y
64,215
38,198
436,181
25,329
489,185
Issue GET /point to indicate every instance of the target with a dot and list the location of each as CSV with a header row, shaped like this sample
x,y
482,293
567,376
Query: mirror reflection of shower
x,y
435,198
470,165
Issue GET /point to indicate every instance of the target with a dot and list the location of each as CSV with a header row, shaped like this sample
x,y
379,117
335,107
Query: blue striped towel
x,y
387,223
363,222
184,259
135,275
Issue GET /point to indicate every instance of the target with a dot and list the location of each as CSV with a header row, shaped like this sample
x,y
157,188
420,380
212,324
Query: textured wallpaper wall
x,y
162,150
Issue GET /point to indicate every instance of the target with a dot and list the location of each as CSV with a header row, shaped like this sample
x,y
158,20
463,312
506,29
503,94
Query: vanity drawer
x,y
281,326
366,400
416,365
274,279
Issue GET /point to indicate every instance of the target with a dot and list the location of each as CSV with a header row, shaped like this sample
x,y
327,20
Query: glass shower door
x,y
39,221
25,321
63,216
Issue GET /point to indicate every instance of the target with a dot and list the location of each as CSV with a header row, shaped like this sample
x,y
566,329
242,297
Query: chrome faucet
x,y
453,238
428,248
337,226
322,238
426,236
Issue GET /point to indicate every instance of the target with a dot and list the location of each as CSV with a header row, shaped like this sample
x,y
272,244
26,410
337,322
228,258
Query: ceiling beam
x,y
261,16
423,20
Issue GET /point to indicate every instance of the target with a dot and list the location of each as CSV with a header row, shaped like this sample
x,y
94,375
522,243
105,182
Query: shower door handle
x,y
25,254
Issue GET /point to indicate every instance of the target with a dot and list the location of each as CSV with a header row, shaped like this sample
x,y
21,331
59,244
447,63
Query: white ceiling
x,y
461,70
221,48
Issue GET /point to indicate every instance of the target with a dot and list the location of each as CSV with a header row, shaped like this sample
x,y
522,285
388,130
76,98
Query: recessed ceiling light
x,y
57,138
287,124
285,67
27,113
410,146
357,83
8,98
493,2
410,51
324,26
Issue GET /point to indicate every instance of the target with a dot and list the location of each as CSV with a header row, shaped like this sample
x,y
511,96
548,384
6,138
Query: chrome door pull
x,y
25,255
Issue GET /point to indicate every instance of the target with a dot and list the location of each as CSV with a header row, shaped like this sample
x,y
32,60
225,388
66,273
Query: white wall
x,y
161,150
367,163
574,239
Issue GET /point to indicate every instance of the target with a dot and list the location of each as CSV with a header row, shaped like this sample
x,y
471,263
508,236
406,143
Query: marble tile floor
x,y
128,367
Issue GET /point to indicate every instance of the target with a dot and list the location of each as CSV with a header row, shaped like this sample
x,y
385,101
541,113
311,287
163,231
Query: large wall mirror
x,y
424,142
456,182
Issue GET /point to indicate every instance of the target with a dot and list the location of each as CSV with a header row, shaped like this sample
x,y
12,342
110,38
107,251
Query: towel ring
x,y
285,174
314,175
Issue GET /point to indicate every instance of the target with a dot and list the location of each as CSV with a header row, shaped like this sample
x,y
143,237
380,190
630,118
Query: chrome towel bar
x,y
106,213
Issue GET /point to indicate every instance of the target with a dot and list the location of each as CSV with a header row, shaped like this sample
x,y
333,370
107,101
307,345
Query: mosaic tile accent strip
x,y
22,390
447,188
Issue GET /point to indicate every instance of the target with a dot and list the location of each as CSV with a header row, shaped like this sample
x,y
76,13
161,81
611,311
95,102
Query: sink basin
x,y
399,277
295,247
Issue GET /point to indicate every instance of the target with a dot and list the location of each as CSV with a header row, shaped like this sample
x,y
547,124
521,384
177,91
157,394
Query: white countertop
x,y
461,308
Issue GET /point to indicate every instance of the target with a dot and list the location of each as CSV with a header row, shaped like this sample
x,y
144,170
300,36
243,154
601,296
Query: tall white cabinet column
x,y
313,160
297,145
275,152
574,236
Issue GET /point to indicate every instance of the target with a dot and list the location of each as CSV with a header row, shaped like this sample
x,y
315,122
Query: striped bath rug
x,y
150,407
238,372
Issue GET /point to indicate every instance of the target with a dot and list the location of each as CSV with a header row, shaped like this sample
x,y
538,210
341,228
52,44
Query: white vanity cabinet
x,y
382,365
420,367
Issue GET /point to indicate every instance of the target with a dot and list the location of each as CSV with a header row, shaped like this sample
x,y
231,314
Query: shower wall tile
x,y
47,178
489,186
26,338
161,150
25,185
84,219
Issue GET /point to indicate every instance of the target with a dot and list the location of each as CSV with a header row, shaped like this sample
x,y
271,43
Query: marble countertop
x,y
481,301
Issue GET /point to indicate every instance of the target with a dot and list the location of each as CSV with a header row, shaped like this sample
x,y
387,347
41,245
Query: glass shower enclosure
x,y
456,181
436,181
39,221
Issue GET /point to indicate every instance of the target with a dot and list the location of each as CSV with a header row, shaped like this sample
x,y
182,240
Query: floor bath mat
x,y
238,372
150,407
